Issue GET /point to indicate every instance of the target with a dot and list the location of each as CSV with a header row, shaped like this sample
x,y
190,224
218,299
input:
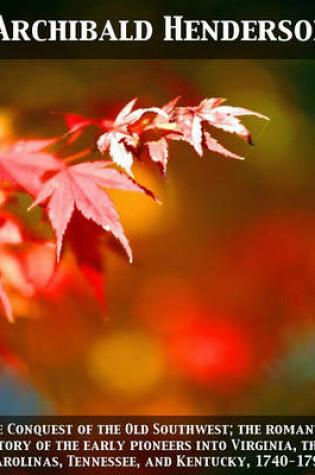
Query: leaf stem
x,y
80,154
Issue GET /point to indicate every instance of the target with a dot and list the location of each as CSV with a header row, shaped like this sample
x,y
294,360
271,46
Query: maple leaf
x,y
89,257
191,122
10,233
214,146
170,106
131,133
226,117
155,135
26,266
158,152
76,122
24,163
123,138
79,187
120,146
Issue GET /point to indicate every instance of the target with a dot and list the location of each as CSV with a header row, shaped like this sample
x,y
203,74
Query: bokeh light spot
x,y
128,363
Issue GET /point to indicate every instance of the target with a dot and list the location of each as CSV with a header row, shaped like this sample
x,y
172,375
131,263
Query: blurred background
x,y
217,314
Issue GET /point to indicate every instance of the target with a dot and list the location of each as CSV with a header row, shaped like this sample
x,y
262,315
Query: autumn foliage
x,y
71,187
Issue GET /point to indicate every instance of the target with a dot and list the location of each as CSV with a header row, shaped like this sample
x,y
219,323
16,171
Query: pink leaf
x,y
158,152
169,106
24,164
240,111
214,146
125,112
189,124
78,187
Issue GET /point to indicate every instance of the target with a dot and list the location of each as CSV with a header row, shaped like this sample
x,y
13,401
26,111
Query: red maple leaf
x,y
24,163
132,133
25,265
125,137
214,146
122,140
191,121
79,187
77,122
75,193
155,136
89,257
